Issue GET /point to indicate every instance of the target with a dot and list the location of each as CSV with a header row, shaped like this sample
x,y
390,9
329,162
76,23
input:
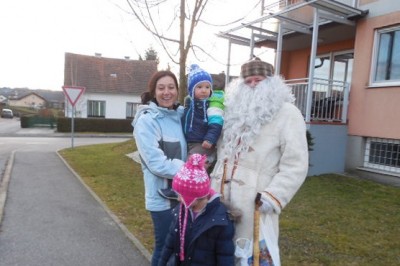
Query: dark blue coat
x,y
196,125
208,239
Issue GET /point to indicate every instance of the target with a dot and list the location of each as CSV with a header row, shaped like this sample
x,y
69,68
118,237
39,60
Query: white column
x,y
278,55
228,64
313,53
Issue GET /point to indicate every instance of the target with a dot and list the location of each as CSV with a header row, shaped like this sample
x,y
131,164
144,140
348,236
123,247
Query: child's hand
x,y
206,145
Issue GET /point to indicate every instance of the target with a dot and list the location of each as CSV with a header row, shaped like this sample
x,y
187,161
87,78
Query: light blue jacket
x,y
162,148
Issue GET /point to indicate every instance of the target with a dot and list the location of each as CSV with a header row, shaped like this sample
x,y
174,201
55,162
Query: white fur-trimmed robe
x,y
277,162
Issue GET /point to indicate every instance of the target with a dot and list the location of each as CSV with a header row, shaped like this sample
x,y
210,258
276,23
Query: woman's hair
x,y
150,94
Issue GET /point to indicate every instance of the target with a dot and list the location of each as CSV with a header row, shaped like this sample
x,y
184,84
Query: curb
x,y
128,234
4,184
63,135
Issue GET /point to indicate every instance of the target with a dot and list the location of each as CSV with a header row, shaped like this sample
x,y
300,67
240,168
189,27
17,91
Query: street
x,y
49,216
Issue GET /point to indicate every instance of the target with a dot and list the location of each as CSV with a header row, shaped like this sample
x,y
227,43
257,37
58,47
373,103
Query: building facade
x,y
342,60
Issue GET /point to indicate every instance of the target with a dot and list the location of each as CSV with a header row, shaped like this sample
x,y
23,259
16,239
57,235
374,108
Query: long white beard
x,y
247,110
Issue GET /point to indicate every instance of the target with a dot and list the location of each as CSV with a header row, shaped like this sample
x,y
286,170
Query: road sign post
x,y
73,93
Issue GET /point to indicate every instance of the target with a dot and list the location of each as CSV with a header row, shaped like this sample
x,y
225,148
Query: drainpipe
x,y
312,64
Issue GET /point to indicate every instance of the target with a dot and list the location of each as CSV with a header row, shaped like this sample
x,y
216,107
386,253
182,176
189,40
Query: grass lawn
x,y
332,220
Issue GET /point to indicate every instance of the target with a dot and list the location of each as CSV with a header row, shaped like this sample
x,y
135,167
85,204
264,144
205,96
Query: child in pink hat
x,y
202,231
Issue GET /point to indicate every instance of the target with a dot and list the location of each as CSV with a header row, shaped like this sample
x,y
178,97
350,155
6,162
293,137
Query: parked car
x,y
7,113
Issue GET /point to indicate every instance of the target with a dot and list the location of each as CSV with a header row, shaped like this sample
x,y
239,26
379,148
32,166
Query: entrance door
x,y
334,66
332,74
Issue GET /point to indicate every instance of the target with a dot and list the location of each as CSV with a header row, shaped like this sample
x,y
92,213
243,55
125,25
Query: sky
x,y
35,35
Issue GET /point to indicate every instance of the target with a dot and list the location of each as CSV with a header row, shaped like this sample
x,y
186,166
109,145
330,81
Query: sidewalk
x,y
51,132
52,218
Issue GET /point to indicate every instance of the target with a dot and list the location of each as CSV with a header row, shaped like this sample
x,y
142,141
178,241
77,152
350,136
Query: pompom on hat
x,y
256,67
197,75
191,182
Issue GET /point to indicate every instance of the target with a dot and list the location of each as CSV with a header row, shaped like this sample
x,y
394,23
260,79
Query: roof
x,y
108,75
18,93
26,95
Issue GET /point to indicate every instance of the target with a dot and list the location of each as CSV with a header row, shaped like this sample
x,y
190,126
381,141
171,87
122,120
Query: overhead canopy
x,y
336,22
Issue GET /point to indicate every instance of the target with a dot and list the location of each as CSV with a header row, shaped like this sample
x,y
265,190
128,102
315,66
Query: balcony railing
x,y
329,99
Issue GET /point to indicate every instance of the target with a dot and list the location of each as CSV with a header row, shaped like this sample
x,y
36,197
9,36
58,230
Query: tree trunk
x,y
182,54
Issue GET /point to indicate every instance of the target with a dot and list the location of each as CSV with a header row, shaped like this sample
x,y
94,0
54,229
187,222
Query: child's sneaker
x,y
168,193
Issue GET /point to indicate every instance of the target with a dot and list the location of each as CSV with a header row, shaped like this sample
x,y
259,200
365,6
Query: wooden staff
x,y
256,232
223,181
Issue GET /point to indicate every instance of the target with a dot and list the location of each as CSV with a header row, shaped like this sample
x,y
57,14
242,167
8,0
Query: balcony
x,y
327,102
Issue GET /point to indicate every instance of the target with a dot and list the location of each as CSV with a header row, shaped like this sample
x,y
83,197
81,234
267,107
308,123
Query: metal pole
x,y
345,102
278,56
251,45
72,126
228,66
312,64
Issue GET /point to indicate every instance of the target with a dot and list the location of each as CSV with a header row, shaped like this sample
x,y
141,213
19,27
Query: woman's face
x,y
166,92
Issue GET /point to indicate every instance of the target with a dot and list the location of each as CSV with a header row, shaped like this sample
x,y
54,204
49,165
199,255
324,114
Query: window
x,y
386,66
383,154
96,109
131,109
335,66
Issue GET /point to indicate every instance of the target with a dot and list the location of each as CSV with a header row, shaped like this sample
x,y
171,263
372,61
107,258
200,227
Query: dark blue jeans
x,y
161,222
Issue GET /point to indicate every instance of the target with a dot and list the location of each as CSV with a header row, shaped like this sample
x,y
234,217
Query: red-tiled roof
x,y
108,75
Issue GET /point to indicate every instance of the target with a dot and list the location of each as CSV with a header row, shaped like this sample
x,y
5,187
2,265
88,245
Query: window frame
x,y
135,109
377,39
383,166
102,104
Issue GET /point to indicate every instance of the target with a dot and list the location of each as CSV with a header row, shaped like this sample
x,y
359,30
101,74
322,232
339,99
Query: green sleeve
x,y
217,99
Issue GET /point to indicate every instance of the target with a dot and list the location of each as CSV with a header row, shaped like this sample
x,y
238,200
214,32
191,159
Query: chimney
x,y
97,54
127,57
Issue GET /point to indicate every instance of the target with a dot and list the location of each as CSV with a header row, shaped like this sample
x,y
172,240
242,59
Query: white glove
x,y
266,206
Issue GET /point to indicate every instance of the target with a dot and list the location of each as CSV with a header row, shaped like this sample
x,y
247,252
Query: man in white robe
x,y
263,149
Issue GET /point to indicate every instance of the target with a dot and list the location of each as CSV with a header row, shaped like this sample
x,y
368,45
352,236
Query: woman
x,y
162,148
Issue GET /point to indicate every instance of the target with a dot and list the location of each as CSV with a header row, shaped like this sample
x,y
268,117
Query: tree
x,y
148,12
151,54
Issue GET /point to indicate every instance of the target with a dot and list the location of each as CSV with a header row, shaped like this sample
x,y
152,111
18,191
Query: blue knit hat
x,y
197,75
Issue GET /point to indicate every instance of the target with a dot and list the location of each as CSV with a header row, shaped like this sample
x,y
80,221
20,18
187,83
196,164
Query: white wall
x,y
115,104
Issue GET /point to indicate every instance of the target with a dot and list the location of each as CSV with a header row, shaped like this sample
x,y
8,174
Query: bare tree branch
x,y
190,12
153,30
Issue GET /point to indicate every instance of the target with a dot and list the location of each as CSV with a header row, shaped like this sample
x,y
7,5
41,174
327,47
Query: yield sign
x,y
73,93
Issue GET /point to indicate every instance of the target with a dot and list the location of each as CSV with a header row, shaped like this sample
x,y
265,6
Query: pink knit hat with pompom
x,y
191,182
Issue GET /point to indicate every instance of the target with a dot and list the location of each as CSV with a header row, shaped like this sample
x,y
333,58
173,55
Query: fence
x,y
329,99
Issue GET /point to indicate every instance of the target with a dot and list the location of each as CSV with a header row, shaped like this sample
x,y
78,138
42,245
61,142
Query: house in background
x,y
112,86
54,99
30,100
342,61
